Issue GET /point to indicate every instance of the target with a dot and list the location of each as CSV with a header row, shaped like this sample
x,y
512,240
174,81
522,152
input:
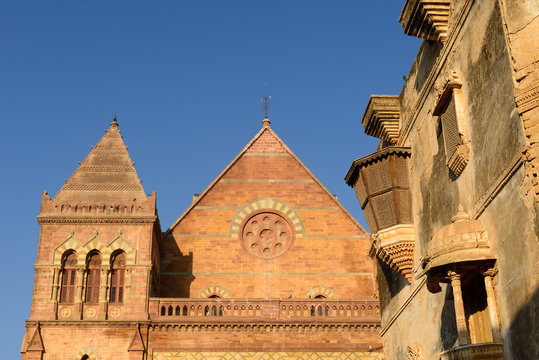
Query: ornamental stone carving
x,y
267,234
65,313
115,312
90,313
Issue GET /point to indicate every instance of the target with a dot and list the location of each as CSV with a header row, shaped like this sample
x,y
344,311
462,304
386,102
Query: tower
x,y
94,260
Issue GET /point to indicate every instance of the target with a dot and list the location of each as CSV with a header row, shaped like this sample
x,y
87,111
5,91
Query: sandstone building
x,y
451,194
264,264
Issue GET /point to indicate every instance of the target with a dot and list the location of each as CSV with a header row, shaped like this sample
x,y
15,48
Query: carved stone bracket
x,y
427,19
395,247
382,117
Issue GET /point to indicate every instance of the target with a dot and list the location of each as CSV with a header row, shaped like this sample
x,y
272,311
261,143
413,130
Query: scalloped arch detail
x,y
121,243
86,351
71,243
267,203
320,290
96,243
214,290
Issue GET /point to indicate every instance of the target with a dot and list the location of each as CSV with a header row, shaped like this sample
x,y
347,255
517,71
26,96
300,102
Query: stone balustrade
x,y
273,309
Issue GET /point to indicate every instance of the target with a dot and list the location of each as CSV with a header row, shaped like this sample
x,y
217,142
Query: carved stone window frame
x,y
457,159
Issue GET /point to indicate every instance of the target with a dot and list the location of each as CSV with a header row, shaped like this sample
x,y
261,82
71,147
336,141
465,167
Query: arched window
x,y
117,276
94,276
215,296
69,272
85,357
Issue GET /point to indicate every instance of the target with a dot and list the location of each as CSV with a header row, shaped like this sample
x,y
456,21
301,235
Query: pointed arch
x,y
85,351
95,244
214,290
71,243
121,244
320,290
267,203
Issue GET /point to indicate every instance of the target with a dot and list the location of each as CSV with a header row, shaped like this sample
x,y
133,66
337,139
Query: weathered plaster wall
x,y
477,50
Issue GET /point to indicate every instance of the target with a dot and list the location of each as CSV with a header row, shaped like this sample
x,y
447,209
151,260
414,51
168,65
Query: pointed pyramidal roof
x,y
107,174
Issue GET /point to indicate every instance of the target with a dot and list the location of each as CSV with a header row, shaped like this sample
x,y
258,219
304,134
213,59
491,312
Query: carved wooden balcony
x,y
380,181
212,310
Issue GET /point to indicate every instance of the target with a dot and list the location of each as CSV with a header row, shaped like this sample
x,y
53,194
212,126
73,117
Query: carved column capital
x,y
492,272
453,275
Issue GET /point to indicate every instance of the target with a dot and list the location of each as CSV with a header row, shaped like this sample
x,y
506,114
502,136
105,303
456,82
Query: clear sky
x,y
185,78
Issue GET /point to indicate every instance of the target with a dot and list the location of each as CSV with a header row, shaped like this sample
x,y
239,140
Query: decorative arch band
x,y
86,351
214,290
267,203
320,290
71,243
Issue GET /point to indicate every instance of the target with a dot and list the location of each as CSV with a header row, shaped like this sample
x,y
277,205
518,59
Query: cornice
x,y
219,324
45,219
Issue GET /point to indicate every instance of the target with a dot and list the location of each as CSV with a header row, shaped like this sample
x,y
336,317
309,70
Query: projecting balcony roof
x,y
427,19
353,173
382,116
462,241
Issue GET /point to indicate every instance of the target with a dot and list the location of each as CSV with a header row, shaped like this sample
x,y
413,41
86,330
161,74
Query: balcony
x,y
282,310
487,351
380,181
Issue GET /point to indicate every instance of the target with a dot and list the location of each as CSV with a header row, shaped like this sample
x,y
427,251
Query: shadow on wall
x,y
176,271
521,340
448,330
390,283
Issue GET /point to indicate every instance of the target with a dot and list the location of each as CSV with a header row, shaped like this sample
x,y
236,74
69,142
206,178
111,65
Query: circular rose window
x,y
267,234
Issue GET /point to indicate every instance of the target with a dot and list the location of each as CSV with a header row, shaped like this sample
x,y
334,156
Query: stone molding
x,y
95,220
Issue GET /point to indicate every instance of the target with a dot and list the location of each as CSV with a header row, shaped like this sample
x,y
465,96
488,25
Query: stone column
x,y
56,274
492,308
463,338
128,280
103,292
79,293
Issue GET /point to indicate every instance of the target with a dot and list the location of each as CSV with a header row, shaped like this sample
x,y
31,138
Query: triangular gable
x,y
106,174
136,341
36,343
264,130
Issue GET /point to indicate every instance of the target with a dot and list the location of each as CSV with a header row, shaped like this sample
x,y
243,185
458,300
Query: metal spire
x,y
265,101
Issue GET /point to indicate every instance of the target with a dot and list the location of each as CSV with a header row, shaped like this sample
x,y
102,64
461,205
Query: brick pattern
x,y
202,255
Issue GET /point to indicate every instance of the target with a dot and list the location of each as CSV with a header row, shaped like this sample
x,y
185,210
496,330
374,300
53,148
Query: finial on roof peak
x,y
265,105
114,122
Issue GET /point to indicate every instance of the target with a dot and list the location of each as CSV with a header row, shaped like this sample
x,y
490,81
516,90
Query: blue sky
x,y
185,78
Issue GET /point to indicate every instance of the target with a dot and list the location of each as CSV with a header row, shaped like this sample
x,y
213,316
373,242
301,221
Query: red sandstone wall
x,y
333,251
